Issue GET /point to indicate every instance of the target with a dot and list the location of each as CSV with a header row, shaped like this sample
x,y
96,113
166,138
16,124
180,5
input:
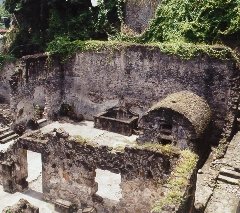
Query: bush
x,y
204,21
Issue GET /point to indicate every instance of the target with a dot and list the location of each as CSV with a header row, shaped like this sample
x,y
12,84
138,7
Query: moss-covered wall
x,y
142,76
99,78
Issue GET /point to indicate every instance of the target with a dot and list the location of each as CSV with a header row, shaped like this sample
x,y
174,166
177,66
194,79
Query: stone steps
x,y
229,176
4,130
7,136
8,139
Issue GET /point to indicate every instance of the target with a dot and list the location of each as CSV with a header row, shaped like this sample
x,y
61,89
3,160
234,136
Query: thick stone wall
x,y
5,75
142,76
36,83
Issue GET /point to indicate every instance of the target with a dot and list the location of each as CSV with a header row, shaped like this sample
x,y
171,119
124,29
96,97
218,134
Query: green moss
x,y
65,48
168,150
5,58
178,181
190,50
81,140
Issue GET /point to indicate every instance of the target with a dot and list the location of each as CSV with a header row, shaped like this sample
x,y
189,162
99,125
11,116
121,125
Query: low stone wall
x,y
21,206
69,166
148,173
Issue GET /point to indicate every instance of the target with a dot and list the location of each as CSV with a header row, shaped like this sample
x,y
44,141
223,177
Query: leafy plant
x,y
178,181
5,58
51,19
204,21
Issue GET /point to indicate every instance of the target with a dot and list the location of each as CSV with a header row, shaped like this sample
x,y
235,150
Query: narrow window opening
x,y
166,129
34,179
165,141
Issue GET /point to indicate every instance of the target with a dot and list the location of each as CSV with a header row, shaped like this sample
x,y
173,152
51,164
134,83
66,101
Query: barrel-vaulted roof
x,y
190,105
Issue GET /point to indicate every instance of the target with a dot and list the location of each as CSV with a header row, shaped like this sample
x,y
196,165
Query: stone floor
x,y
86,130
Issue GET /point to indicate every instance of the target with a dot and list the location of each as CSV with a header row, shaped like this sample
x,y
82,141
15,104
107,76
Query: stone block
x,y
89,210
22,206
64,206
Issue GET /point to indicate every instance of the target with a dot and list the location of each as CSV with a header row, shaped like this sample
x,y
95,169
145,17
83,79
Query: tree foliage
x,y
202,21
41,21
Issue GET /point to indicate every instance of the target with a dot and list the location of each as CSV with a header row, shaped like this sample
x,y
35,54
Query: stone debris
x,y
64,206
218,184
23,206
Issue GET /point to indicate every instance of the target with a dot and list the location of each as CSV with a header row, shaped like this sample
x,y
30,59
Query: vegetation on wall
x,y
64,27
3,12
191,28
178,183
6,58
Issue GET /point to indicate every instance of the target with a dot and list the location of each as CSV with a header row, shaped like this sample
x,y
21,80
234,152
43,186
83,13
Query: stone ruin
x,y
182,108
117,119
180,119
21,206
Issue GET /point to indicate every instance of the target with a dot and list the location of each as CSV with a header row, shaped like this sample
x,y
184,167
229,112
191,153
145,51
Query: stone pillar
x,y
138,14
66,181
14,172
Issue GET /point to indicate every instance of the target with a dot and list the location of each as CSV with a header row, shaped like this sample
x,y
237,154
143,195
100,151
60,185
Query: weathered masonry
x,y
179,119
138,14
69,170
173,105
141,74
117,119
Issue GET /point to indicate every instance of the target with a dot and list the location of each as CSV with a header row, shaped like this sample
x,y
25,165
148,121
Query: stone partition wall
x,y
36,83
13,169
5,75
142,76
69,170
94,81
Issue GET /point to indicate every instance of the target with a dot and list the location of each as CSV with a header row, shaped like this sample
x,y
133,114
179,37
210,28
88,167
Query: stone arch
x,y
179,118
